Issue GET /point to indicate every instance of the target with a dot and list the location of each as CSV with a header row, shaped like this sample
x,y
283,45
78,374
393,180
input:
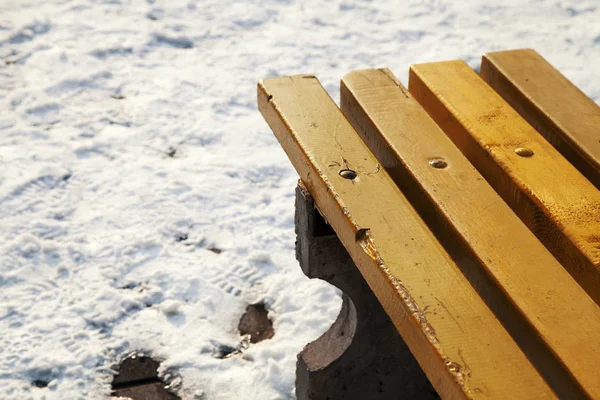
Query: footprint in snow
x,y
237,279
44,192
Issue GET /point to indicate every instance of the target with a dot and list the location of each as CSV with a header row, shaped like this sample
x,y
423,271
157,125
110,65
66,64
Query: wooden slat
x,y
536,299
548,193
456,339
550,103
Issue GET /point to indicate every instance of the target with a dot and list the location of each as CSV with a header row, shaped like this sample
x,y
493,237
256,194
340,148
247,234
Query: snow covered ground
x,y
131,149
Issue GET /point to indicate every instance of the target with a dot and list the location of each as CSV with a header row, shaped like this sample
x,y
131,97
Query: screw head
x,y
348,174
524,152
438,163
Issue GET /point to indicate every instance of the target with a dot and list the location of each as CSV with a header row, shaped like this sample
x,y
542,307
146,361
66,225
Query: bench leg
x,y
361,356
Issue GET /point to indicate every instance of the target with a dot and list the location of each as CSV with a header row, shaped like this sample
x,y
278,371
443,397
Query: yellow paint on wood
x,y
548,193
550,103
462,347
535,298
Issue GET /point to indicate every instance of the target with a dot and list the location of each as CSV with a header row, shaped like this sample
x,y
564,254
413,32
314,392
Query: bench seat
x,y
424,204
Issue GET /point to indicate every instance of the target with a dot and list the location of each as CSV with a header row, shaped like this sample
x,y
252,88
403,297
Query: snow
x,y
132,151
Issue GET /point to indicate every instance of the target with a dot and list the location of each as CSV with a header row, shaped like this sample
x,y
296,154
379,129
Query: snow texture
x,y
132,151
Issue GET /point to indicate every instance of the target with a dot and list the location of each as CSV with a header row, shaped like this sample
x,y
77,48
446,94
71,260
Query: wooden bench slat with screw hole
x,y
555,107
461,346
548,193
467,215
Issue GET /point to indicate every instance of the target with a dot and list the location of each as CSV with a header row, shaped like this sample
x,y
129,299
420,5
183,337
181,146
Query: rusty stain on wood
x,y
406,281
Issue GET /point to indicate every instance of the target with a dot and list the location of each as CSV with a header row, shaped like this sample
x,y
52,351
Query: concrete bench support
x,y
361,356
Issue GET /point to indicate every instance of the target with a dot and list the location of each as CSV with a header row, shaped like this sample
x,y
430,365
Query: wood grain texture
x,y
548,193
550,103
461,346
536,299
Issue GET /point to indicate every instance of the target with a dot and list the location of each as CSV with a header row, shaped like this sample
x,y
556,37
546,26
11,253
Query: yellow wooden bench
x,y
478,234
